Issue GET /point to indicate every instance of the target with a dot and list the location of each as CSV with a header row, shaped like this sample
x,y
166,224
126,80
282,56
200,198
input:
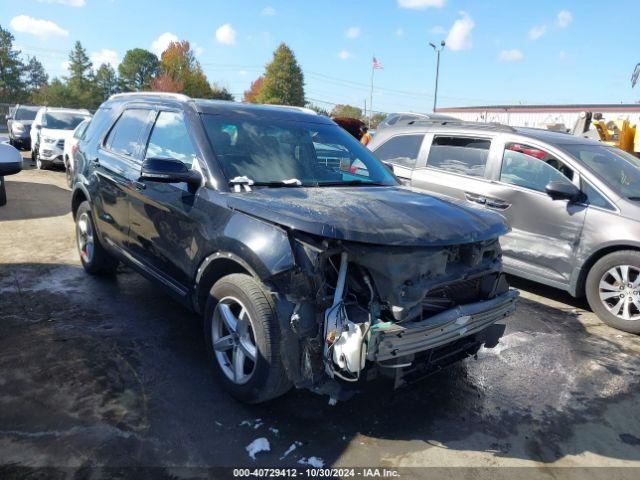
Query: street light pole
x,y
437,50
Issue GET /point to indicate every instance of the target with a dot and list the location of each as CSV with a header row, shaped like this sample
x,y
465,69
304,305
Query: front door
x,y
545,233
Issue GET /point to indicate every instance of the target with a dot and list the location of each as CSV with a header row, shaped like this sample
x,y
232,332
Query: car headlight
x,y
49,139
17,128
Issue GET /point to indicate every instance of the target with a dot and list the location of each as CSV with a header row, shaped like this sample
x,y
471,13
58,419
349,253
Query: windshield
x,y
275,151
618,169
63,121
26,113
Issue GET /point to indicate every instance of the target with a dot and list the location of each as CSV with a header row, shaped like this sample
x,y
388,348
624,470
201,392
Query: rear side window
x,y
125,134
170,139
401,150
462,155
79,132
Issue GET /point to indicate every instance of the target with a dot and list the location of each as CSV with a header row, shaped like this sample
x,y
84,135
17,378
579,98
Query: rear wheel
x,y
613,290
67,170
95,259
243,339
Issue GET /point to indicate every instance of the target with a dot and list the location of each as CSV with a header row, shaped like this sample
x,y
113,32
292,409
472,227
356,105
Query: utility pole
x,y
437,50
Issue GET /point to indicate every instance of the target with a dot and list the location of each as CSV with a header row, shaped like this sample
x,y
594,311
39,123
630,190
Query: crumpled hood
x,y
396,216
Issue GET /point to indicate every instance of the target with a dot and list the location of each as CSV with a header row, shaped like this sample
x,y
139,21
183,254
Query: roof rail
x,y
292,107
176,96
460,123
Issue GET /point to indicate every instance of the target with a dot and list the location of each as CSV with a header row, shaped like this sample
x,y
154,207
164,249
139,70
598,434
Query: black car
x,y
308,271
19,123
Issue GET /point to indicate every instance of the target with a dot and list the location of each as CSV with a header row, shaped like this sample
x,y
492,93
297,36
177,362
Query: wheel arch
x,y
579,290
79,195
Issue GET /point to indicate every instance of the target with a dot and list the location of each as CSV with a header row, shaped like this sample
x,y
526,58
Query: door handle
x,y
96,162
472,197
497,203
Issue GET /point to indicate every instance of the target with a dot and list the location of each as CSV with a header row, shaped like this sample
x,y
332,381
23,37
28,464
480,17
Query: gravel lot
x,y
97,372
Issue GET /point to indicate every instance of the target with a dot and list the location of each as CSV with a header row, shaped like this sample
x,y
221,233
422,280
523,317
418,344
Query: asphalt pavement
x,y
112,373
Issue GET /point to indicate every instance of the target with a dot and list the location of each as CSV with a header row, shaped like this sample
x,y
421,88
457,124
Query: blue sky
x,y
502,51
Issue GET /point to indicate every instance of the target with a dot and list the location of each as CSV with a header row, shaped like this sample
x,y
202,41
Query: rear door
x,y
458,166
164,231
116,167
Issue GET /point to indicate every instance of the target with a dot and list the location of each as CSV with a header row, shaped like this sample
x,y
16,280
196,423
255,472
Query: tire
x,y
41,164
34,154
67,172
616,301
3,192
265,377
96,260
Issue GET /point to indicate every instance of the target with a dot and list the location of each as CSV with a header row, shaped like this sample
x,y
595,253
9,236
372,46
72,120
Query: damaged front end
x,y
352,310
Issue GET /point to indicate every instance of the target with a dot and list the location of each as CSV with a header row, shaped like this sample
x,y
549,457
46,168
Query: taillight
x,y
74,149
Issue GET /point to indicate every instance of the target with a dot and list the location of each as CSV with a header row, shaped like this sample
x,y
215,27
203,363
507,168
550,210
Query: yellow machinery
x,y
619,133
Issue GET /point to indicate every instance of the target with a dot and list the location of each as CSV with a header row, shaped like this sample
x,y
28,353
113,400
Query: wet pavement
x,y
111,372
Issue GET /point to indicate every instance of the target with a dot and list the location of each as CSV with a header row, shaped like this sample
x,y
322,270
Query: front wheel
x,y
613,290
95,259
243,340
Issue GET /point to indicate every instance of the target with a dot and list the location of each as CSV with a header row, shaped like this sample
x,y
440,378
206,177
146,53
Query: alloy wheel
x,y
84,233
619,291
233,340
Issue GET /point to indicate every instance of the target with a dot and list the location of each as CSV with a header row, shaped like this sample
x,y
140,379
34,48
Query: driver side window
x,y
170,139
532,168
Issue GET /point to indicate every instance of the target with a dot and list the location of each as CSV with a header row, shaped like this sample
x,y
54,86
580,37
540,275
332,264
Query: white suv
x,y
50,129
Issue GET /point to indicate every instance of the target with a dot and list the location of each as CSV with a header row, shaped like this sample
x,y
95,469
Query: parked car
x,y
50,129
573,204
10,164
403,117
19,123
306,273
70,147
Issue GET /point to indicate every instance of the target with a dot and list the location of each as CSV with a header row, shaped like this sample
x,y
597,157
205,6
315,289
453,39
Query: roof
x,y
218,107
576,107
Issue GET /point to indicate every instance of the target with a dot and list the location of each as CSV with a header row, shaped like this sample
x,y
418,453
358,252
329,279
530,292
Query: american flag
x,y
376,64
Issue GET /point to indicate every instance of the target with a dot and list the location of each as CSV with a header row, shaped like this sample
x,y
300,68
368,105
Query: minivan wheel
x,y
95,259
243,340
613,290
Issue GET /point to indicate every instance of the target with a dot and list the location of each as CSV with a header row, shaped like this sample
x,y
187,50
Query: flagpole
x,y
371,93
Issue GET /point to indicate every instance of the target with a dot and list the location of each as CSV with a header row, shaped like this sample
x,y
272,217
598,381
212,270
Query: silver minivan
x,y
573,204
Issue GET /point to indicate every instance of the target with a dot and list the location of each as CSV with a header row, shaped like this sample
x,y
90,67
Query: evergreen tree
x,y
12,87
80,68
138,68
283,80
34,75
106,82
220,93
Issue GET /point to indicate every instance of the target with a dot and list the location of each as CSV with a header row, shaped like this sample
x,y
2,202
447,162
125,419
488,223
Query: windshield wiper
x,y
240,183
349,183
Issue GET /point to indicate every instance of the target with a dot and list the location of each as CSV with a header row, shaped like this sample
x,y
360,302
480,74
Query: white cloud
x,y
537,31
564,18
105,56
344,55
226,34
420,4
459,37
161,43
268,11
562,54
197,49
36,26
352,32
399,32
242,72
437,30
71,3
512,55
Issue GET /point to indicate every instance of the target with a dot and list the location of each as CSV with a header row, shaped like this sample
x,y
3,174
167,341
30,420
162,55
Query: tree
x,y
34,75
181,72
12,86
164,83
251,95
377,118
56,94
283,80
106,82
346,111
80,68
220,93
318,109
138,68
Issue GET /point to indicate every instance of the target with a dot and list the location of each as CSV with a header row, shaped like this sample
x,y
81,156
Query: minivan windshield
x,y
63,120
281,152
617,168
26,113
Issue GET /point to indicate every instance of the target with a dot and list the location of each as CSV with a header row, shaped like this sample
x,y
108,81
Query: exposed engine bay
x,y
348,309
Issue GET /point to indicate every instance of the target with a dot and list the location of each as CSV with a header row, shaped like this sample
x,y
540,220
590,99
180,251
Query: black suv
x,y
307,259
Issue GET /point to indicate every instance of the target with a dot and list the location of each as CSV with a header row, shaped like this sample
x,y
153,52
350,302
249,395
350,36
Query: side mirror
x,y
167,170
10,160
8,117
559,190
